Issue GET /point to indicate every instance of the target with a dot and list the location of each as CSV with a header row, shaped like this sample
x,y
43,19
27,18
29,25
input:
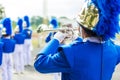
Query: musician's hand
x,y
60,36
75,36
36,56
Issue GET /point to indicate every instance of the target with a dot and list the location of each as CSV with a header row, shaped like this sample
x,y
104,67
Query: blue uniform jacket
x,y
19,38
28,33
79,60
8,45
49,36
1,50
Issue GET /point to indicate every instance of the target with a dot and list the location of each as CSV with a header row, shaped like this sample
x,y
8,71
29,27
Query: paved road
x,y
30,73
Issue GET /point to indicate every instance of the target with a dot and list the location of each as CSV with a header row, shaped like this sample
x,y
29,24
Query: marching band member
x,y
8,49
27,44
93,59
53,25
1,45
1,52
19,53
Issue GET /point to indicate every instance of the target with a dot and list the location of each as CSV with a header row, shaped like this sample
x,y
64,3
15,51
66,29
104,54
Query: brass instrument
x,y
54,30
63,29
67,29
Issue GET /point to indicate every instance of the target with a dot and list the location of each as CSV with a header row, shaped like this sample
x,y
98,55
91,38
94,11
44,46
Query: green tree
x,y
14,24
2,12
36,20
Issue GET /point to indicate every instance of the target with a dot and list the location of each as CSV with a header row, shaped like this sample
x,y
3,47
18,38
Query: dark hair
x,y
5,35
88,31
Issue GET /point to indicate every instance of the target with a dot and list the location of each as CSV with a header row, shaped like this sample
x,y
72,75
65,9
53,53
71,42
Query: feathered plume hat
x,y
54,22
26,19
107,24
19,23
7,27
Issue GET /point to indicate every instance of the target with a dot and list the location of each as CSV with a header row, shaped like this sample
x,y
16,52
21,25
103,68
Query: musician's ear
x,y
83,33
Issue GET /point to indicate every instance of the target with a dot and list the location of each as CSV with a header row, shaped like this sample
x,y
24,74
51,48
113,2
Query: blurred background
x,y
40,10
40,13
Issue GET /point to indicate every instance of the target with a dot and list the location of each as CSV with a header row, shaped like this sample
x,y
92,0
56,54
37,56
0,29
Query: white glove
x,y
60,36
71,34
75,36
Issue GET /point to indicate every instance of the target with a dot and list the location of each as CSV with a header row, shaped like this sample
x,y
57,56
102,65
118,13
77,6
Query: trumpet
x,y
54,30
63,29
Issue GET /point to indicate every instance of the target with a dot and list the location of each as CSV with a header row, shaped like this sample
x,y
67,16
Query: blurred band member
x,y
53,25
1,52
19,53
8,49
27,44
1,45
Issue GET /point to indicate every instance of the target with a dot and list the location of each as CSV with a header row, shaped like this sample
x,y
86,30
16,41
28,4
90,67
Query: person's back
x,y
92,61
85,61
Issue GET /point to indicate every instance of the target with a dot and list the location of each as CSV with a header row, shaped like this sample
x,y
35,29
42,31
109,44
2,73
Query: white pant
x,y
57,76
7,66
19,58
27,52
0,72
